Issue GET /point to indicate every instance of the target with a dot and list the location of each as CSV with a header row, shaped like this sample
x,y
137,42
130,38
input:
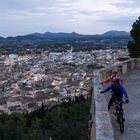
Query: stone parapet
x,y
103,126
121,68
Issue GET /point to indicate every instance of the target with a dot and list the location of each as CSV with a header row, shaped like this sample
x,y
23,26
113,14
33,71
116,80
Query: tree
x,y
65,122
134,45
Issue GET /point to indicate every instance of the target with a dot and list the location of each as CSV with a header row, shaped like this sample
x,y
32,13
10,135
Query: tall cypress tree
x,y
134,45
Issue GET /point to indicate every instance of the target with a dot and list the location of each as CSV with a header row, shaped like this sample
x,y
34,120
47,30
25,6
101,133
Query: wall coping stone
x,y
104,130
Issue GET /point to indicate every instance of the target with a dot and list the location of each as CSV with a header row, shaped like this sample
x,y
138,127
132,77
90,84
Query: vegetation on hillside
x,y
68,121
61,42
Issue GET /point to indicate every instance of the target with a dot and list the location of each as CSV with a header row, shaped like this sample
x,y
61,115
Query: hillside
x,y
116,33
57,42
68,121
50,35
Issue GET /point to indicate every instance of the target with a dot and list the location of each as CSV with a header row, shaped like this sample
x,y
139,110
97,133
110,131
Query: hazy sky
x,y
18,17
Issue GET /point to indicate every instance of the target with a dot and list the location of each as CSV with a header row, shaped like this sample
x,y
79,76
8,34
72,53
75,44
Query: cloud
x,y
128,4
83,16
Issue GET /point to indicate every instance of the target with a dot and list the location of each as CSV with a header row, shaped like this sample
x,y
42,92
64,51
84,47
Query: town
x,y
30,80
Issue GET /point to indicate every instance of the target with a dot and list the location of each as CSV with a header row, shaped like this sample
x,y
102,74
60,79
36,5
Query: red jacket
x,y
110,79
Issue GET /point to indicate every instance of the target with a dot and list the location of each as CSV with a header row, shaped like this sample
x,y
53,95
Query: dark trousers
x,y
112,100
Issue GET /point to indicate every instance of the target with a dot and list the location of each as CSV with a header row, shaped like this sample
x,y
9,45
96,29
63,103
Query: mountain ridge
x,y
116,33
111,33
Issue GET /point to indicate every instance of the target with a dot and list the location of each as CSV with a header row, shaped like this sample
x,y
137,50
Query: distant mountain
x,y
115,33
36,34
57,42
73,35
24,37
76,35
58,35
1,37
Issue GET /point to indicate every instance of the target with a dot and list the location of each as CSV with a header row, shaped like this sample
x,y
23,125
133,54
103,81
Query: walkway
x,y
132,110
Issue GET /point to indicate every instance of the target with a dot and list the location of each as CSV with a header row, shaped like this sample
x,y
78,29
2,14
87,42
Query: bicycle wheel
x,y
121,122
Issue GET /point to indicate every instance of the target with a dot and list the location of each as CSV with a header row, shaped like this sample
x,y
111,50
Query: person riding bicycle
x,y
111,78
117,94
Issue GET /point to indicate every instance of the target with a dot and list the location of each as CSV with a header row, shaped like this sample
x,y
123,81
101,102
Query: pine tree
x,y
134,45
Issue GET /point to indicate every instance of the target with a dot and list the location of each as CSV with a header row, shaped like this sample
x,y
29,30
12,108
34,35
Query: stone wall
x,y
101,127
121,68
138,63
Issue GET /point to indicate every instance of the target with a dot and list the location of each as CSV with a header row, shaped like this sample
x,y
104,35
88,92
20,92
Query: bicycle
x,y
118,92
119,114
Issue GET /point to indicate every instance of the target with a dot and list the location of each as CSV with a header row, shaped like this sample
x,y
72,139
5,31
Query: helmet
x,y
114,72
115,79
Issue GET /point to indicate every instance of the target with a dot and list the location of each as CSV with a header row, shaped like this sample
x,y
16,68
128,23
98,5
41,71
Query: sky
x,y
20,17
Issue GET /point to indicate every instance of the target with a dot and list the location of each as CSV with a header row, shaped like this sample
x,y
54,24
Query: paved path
x,y
132,110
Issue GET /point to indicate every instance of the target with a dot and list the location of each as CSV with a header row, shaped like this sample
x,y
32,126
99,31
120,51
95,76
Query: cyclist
x,y
117,94
111,78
